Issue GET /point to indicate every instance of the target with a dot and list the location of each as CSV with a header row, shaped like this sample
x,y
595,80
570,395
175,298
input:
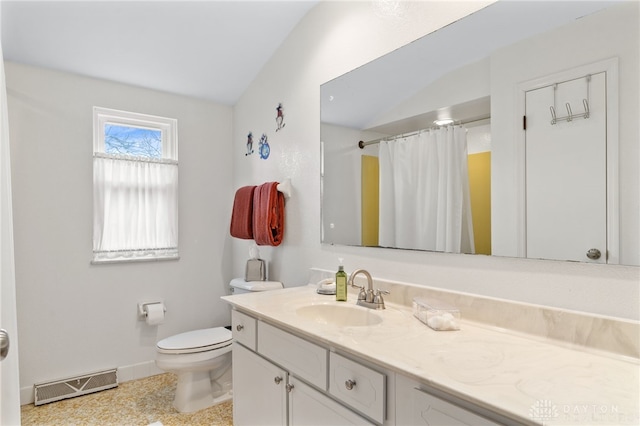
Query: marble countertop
x,y
526,378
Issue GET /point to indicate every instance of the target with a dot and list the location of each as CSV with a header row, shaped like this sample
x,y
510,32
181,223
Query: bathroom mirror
x,y
478,71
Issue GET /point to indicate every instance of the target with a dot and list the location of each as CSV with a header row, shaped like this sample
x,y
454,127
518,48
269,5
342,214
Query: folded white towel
x,y
326,286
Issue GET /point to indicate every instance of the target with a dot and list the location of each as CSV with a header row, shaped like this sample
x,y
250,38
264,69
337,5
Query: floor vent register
x,y
75,386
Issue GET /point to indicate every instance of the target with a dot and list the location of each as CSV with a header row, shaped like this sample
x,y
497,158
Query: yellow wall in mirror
x,y
370,200
480,189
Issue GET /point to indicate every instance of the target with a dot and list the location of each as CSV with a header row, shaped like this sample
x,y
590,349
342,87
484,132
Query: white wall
x,y
74,317
342,191
334,38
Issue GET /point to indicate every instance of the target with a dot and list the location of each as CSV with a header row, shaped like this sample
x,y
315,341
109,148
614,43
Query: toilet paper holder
x,y
143,310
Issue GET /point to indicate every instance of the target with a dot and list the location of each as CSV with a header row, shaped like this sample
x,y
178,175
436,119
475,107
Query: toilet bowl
x,y
202,359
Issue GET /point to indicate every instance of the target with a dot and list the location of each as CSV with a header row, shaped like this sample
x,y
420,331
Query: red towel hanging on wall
x,y
268,215
242,214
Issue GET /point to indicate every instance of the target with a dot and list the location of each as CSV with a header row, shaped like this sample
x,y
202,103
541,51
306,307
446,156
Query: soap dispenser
x,y
341,283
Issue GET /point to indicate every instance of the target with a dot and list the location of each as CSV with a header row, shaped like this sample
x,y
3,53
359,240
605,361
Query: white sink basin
x,y
345,315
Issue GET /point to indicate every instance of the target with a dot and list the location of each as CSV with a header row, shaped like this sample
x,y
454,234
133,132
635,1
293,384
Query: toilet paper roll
x,y
155,314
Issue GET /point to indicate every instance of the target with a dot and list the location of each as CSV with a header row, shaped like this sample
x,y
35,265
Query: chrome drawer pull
x,y
277,380
350,384
239,327
289,387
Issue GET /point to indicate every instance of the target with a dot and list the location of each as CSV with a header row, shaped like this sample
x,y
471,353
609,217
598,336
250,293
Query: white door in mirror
x,y
566,171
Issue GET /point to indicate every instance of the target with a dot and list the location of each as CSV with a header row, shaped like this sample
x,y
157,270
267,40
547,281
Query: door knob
x,y
594,254
4,344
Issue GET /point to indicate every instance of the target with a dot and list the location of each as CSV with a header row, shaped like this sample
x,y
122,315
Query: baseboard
x,y
126,373
138,371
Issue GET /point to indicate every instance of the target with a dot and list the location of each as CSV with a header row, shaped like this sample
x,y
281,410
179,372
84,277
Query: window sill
x,y
134,260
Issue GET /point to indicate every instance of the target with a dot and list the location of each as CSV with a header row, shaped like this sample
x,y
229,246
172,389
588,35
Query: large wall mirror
x,y
542,159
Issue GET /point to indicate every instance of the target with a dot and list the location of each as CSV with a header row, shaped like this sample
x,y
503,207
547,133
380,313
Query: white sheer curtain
x,y
424,192
135,208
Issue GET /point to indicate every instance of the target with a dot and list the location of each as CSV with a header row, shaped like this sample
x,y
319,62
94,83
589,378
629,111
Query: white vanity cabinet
x,y
265,394
282,379
285,380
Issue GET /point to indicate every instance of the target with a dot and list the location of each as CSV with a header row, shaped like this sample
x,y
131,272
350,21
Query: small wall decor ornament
x,y
279,117
249,144
264,149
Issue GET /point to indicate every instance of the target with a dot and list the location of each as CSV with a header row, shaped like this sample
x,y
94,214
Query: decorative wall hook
x,y
264,148
285,187
280,117
249,144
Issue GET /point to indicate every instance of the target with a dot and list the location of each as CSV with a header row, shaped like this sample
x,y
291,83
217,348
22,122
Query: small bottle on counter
x,y
341,283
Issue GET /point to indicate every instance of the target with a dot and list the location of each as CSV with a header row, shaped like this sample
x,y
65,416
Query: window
x,y
135,186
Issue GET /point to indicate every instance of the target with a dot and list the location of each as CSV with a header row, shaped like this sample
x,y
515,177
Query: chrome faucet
x,y
368,298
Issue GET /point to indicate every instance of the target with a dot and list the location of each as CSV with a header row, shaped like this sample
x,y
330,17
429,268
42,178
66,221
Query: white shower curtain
x,y
424,192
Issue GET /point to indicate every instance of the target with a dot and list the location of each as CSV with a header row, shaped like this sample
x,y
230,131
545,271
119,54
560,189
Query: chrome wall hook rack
x,y
570,115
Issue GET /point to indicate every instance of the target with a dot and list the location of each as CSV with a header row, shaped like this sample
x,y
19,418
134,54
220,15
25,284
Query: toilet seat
x,y
204,340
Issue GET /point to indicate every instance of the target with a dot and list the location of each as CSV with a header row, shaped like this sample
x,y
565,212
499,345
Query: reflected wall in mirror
x,y
570,179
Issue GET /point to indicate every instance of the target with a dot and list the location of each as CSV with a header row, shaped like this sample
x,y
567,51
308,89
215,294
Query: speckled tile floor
x,y
136,403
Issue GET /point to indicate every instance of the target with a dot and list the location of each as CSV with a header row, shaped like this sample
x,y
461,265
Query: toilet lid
x,y
196,341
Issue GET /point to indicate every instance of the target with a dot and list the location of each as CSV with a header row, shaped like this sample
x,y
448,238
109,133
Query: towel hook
x,y
570,114
285,188
585,103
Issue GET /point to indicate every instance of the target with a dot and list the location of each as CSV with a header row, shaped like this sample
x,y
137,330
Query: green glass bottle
x,y
341,284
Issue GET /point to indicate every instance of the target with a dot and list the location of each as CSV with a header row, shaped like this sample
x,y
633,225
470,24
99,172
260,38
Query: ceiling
x,y
209,49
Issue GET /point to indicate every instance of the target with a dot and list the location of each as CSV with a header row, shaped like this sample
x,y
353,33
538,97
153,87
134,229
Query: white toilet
x,y
202,359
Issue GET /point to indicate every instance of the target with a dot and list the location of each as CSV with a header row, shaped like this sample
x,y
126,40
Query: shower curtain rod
x,y
362,144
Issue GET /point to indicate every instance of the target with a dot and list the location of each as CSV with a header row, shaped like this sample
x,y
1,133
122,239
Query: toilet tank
x,y
239,286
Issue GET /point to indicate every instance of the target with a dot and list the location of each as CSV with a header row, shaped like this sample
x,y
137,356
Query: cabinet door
x,y
309,407
415,407
259,393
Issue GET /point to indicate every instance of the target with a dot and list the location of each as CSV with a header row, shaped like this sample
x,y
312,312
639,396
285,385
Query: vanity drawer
x,y
360,387
244,329
300,357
